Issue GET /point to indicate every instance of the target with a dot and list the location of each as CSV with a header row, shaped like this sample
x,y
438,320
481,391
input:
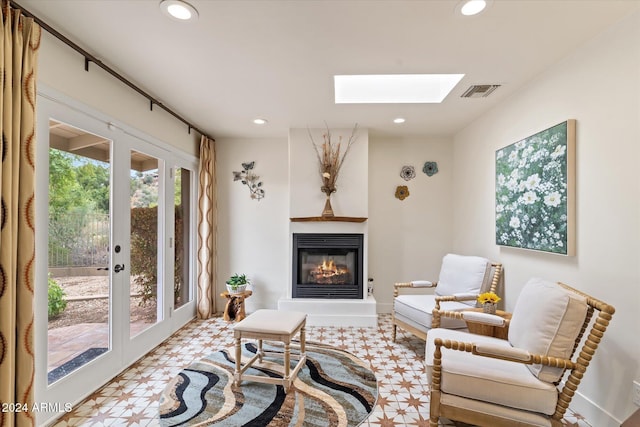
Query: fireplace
x,y
327,266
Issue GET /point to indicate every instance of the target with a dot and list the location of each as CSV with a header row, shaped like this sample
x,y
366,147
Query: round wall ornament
x,y
430,168
402,192
408,173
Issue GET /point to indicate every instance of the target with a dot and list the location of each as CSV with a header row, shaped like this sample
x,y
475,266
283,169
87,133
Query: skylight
x,y
394,88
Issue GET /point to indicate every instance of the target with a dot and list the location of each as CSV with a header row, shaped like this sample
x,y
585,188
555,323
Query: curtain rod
x,y
91,58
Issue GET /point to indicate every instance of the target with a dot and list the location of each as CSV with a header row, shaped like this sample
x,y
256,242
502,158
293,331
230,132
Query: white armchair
x,y
461,280
487,381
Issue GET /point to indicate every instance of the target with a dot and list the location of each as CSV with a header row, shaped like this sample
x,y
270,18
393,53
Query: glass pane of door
x,y
79,293
181,289
146,279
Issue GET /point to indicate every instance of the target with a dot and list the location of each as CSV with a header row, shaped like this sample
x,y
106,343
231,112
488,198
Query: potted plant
x,y
237,283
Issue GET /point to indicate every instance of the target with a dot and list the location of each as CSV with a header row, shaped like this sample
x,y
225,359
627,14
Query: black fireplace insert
x,y
327,266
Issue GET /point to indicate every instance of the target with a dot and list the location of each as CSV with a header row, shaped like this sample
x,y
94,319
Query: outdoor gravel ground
x,y
95,310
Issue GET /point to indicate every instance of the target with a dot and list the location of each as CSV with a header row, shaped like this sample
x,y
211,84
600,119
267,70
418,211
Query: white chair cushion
x,y
547,320
470,376
419,308
271,322
462,274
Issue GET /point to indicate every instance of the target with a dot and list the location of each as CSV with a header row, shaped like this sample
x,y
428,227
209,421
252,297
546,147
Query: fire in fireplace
x,y
327,265
330,273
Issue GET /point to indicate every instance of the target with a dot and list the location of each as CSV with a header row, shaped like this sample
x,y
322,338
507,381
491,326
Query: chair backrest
x,y
547,319
465,274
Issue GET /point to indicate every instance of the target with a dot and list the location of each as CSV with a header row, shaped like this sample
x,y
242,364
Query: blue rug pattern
x,y
334,388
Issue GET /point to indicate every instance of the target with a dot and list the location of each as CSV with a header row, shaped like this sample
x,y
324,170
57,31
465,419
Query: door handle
x,y
118,268
103,268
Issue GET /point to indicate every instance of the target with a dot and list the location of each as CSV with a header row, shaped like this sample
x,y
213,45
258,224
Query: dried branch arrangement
x,y
331,157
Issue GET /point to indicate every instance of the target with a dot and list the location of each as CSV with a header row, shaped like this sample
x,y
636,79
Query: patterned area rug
x,y
335,388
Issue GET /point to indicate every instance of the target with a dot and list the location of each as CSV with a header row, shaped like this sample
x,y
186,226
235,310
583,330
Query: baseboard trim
x,y
385,307
593,414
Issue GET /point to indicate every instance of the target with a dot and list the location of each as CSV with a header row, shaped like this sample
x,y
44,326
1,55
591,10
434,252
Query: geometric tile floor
x,y
131,399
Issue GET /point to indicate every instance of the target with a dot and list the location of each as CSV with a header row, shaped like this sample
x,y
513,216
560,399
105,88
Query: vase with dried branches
x,y
331,157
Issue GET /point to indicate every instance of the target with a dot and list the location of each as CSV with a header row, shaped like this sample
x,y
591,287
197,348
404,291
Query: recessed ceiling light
x,y
398,120
260,121
178,10
473,7
394,88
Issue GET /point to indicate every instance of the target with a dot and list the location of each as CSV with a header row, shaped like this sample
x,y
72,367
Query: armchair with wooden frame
x,y
462,278
487,381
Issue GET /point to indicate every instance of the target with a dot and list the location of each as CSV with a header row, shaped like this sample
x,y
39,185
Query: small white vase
x,y
240,289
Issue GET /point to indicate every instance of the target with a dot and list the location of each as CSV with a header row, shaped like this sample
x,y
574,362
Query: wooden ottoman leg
x,y
260,351
238,375
287,366
303,340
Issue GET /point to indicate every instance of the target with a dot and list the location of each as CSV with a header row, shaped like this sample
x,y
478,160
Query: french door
x,y
115,267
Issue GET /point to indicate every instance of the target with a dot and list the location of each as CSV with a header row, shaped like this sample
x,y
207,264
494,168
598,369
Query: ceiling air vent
x,y
479,91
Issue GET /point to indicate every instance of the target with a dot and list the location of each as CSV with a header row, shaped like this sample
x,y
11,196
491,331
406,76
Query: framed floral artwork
x,y
535,191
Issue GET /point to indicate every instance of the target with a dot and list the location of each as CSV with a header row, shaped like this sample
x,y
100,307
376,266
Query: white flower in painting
x,y
552,199
529,198
501,179
522,186
513,156
499,208
512,184
533,181
515,222
559,151
520,144
500,154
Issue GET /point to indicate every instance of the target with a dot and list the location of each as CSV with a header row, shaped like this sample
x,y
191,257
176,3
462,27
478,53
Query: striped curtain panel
x,y
207,229
18,63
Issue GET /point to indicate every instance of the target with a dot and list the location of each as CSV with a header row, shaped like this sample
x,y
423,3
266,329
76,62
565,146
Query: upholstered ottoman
x,y
270,325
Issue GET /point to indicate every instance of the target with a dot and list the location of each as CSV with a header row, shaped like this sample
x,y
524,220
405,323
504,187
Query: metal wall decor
x,y
430,168
250,179
402,192
408,173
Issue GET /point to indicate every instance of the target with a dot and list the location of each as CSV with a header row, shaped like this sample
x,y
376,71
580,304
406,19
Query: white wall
x,y
599,86
253,235
62,69
408,238
305,198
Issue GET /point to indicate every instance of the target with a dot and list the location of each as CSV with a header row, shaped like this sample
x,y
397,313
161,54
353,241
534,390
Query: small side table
x,y
234,310
489,330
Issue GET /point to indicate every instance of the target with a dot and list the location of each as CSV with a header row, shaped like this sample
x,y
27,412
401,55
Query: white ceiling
x,y
276,59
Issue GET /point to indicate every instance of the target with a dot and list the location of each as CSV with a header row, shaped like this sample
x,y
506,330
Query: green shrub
x,y
144,251
57,302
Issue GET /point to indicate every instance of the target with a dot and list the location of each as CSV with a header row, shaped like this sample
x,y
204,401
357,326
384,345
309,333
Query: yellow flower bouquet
x,y
488,298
